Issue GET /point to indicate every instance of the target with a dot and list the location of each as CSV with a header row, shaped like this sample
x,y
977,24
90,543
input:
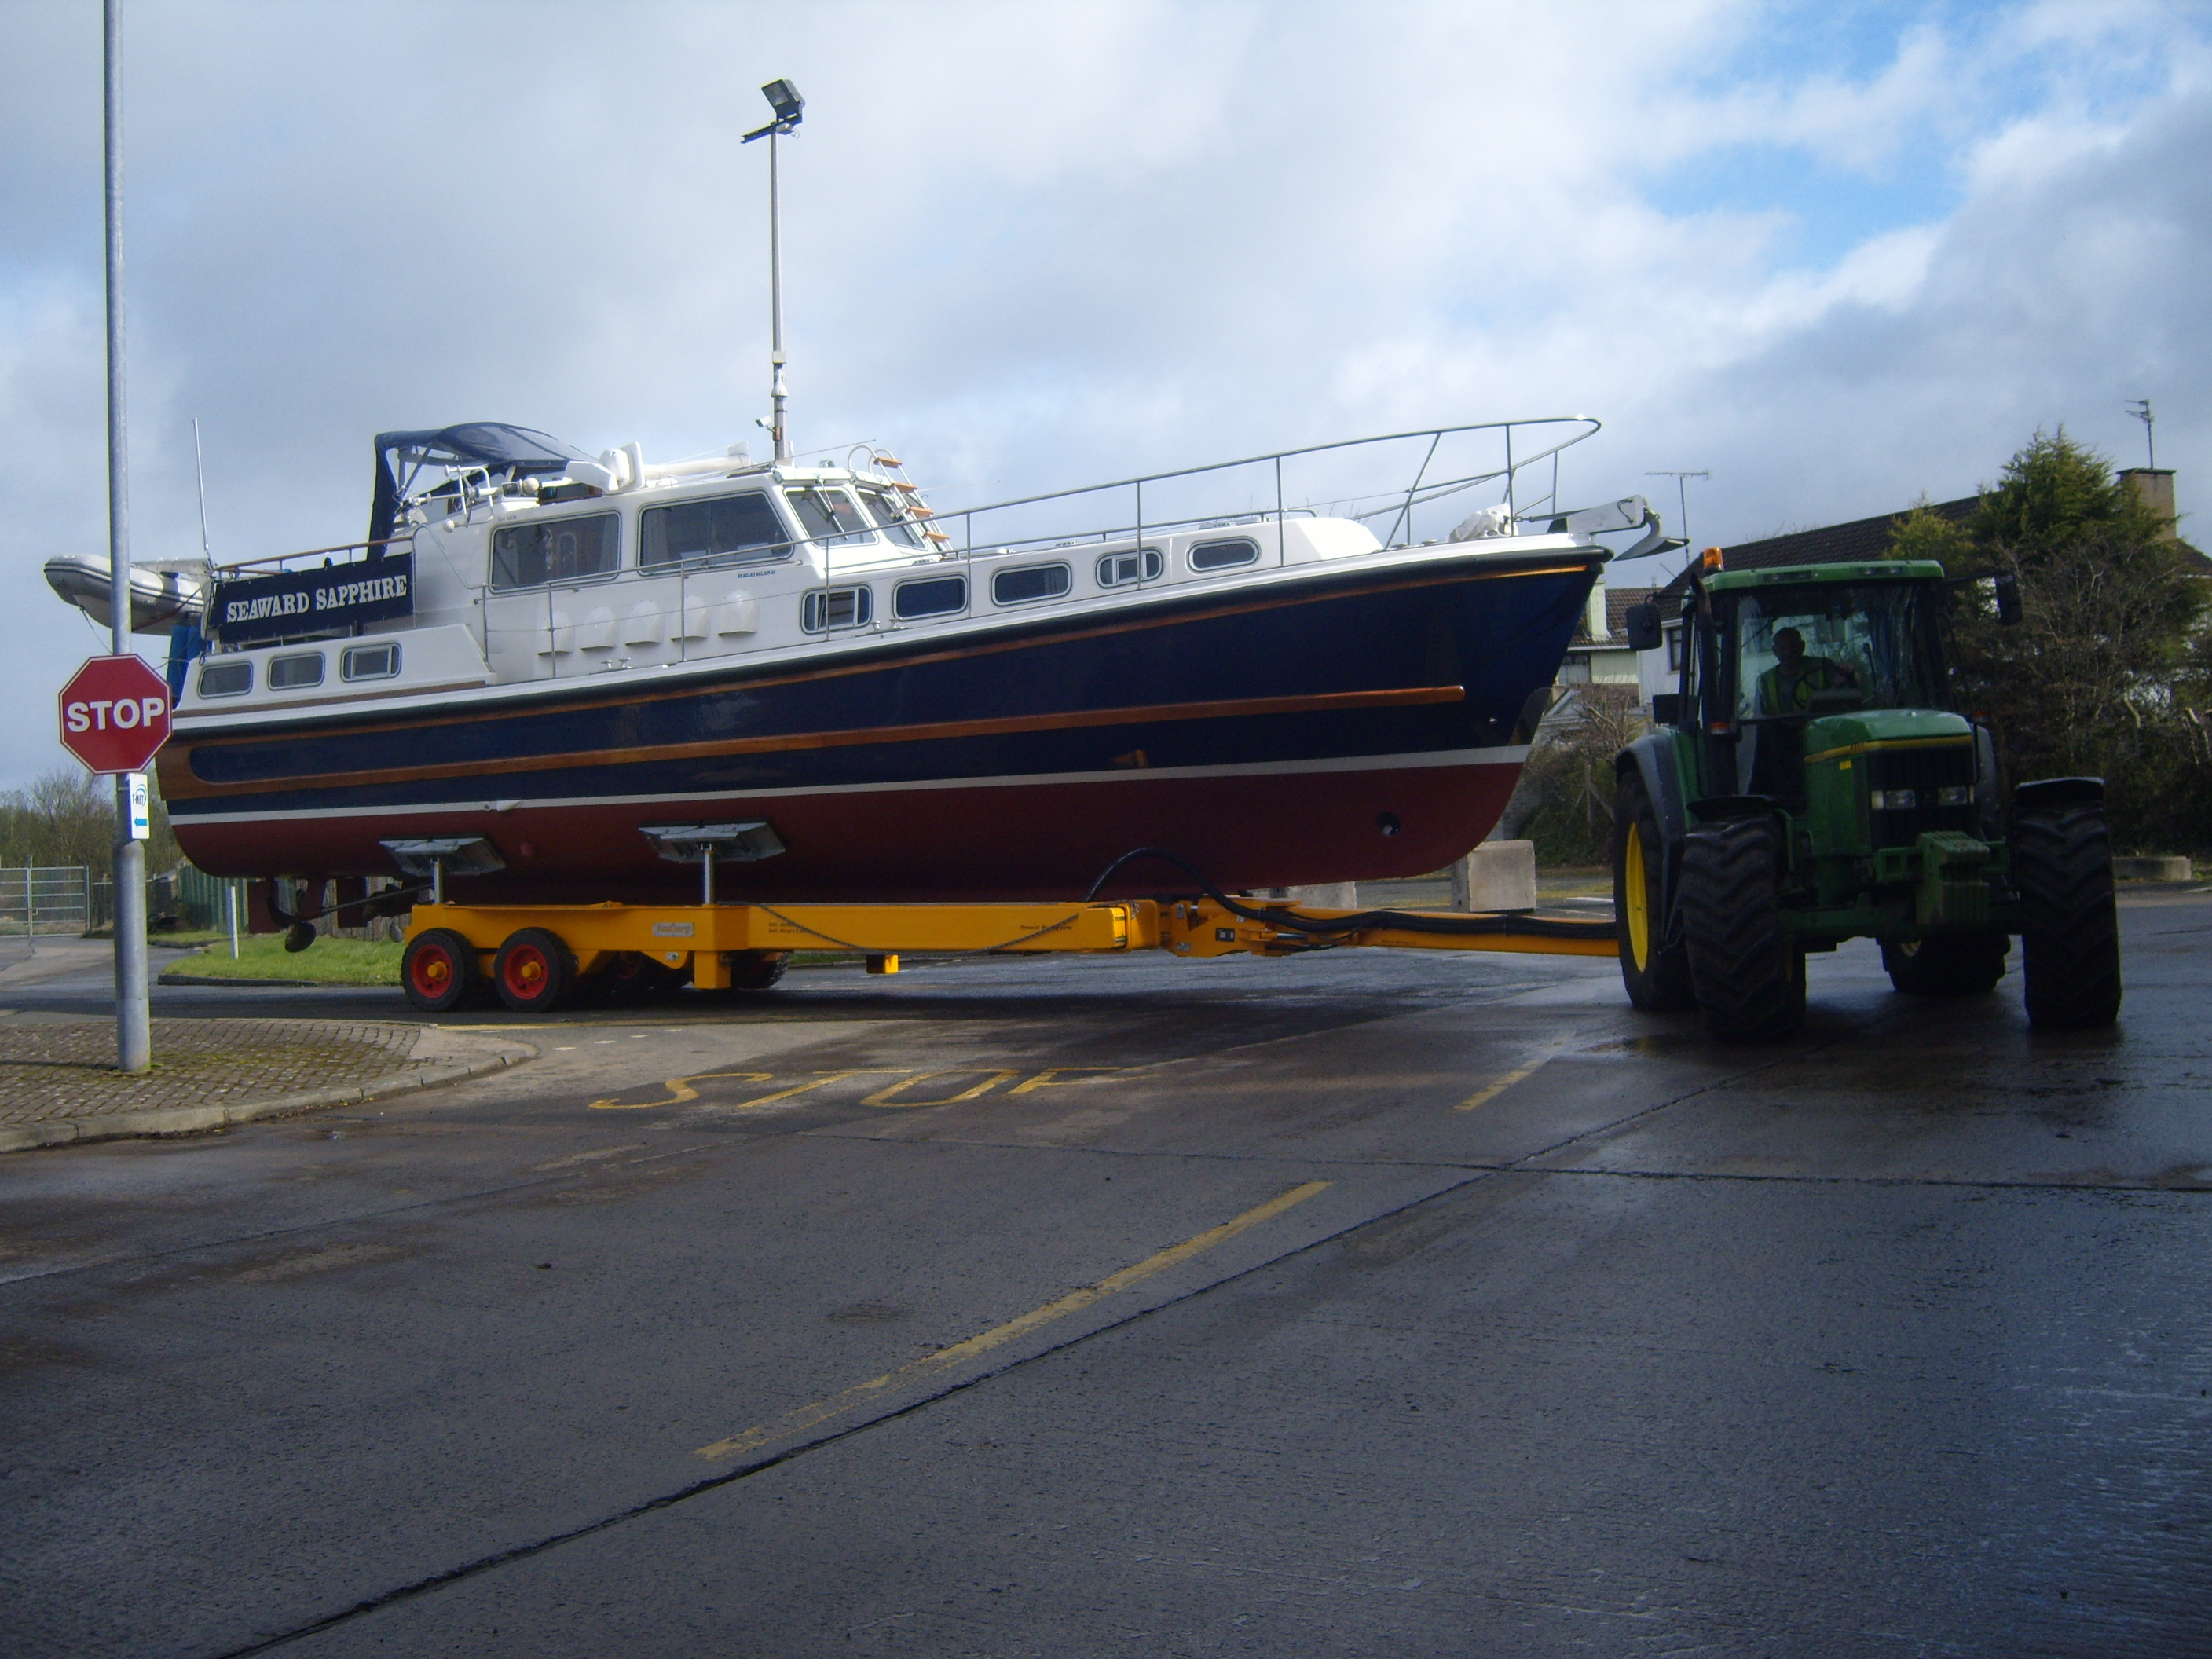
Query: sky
x,y
1840,256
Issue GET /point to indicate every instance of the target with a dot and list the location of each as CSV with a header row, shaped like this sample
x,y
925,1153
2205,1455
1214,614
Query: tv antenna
x,y
2140,408
1682,494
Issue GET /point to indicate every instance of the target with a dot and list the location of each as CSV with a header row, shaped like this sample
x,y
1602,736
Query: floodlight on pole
x,y
784,99
1682,494
2140,408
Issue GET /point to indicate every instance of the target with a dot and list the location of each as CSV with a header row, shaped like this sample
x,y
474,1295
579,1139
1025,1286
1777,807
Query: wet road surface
x,y
1368,1303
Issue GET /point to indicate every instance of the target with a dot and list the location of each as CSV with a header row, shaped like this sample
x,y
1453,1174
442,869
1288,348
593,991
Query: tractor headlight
x,y
1892,801
1955,794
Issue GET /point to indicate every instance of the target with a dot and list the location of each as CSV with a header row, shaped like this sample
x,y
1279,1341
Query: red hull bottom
x,y
1032,840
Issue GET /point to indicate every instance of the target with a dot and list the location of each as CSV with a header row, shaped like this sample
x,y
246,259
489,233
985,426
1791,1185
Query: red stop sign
x,y
115,714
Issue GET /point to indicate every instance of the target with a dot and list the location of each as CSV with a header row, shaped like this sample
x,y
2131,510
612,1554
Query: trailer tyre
x,y
439,972
2070,932
1655,974
757,970
1749,978
1946,964
533,971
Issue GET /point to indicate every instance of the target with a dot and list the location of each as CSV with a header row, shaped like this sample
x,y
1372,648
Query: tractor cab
x,y
1812,782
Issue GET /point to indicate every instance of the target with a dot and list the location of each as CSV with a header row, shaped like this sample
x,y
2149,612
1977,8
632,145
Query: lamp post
x,y
783,97
1682,494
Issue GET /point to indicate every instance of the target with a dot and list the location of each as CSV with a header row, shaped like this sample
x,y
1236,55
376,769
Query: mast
x,y
783,97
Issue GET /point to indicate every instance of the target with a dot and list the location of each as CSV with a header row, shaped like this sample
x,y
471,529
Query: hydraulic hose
x,y
1405,922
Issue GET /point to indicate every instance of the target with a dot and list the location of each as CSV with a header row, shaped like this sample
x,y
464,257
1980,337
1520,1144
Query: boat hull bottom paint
x,y
1368,818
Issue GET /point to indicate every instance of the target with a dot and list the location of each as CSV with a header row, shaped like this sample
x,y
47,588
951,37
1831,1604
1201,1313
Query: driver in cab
x,y
1788,687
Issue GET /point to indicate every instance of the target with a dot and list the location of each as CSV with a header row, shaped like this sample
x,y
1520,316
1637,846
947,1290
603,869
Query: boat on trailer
x,y
549,658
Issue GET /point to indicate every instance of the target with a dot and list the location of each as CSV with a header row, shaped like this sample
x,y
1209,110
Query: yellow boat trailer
x,y
538,956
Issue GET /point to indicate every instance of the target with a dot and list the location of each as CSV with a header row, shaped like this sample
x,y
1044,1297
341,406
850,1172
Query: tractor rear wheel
x,y
1749,977
2069,934
1946,964
1655,974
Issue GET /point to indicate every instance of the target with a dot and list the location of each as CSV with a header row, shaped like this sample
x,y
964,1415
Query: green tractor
x,y
1812,782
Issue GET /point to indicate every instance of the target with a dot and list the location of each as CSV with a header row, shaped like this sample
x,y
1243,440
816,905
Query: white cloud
x,y
1033,247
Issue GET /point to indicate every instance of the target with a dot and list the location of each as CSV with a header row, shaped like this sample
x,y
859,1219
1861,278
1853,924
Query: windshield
x,y
829,515
888,513
1831,648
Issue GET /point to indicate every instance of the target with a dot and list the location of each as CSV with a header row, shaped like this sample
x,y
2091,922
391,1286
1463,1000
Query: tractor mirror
x,y
1642,622
2006,591
1666,709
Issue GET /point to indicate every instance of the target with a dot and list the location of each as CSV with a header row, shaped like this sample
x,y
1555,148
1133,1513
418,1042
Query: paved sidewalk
x,y
59,1082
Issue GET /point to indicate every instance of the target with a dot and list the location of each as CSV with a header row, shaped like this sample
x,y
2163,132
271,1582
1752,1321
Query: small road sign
x,y
115,714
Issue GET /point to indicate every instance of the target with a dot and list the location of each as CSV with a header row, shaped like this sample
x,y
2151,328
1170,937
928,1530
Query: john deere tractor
x,y
1813,780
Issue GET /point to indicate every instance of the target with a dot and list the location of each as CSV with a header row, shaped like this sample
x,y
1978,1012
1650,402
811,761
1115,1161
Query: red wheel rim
x,y
527,973
433,971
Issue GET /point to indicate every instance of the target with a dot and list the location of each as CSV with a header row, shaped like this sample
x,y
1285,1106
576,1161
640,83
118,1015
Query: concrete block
x,y
1498,875
1326,895
2151,867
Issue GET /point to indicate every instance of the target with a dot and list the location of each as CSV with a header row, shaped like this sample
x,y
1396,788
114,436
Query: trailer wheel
x,y
2069,934
633,976
439,972
1946,964
757,970
1749,978
1656,974
533,971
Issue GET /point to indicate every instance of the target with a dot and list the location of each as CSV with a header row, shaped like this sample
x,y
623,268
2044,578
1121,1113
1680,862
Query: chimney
x,y
2152,487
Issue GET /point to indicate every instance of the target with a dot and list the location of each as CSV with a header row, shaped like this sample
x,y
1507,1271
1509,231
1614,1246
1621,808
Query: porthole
x,y
370,662
1120,569
1220,556
293,673
933,598
226,679
1030,583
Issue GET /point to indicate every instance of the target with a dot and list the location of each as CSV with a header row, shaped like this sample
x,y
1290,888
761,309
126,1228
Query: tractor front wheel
x,y
1748,976
1656,974
1946,964
2069,934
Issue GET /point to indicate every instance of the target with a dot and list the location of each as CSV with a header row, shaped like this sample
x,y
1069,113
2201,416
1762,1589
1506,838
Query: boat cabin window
x,y
890,512
836,607
745,524
226,679
1118,570
556,550
291,673
829,515
934,598
1219,556
370,662
1030,583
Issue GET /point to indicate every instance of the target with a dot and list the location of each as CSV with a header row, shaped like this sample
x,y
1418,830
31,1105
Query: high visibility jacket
x,y
1794,696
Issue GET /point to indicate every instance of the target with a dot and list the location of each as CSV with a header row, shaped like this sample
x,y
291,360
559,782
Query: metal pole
x,y
775,304
230,911
707,874
134,1025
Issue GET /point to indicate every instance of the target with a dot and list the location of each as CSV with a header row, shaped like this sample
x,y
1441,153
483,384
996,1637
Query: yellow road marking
x,y
883,1096
1490,1091
1052,1077
861,1393
679,1090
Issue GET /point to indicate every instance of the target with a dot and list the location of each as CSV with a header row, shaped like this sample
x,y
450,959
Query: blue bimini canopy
x,y
514,450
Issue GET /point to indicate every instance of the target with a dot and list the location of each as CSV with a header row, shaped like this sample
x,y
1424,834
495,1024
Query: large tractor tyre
x,y
1946,964
2069,934
1749,978
1657,976
534,971
439,972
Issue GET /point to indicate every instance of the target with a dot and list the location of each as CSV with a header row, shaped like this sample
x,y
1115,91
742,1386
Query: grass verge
x,y
326,962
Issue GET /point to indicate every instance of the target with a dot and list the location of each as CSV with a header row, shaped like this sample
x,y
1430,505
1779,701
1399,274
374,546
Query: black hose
x,y
1405,922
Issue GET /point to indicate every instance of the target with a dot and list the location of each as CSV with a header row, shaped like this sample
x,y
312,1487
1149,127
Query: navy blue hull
x,y
990,765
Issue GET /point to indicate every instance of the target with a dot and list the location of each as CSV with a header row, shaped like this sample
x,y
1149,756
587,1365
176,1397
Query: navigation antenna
x,y
783,97
200,472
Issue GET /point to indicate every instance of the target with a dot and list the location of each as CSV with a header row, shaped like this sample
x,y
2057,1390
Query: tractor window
x,y
1801,651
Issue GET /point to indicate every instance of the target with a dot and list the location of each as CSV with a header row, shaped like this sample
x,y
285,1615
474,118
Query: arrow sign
x,y
115,714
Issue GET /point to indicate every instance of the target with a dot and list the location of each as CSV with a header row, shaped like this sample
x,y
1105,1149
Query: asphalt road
x,y
1372,1304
